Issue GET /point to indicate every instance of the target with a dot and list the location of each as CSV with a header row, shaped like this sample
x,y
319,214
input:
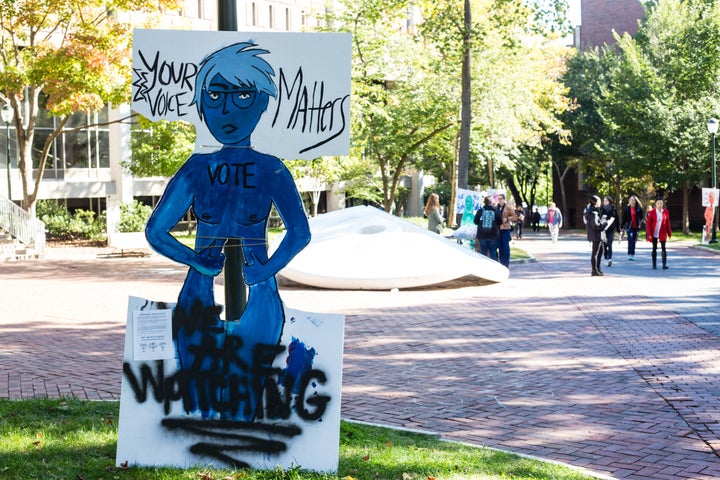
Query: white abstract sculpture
x,y
364,248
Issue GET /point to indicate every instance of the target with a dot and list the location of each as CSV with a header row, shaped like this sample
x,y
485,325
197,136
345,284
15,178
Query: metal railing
x,y
21,225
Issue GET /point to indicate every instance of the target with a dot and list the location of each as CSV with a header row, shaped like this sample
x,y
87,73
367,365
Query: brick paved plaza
x,y
618,374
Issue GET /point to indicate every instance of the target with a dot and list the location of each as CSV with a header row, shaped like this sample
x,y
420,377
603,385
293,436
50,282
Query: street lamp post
x,y
7,114
235,293
712,126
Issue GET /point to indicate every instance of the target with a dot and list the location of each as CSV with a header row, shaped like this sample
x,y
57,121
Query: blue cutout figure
x,y
223,365
468,217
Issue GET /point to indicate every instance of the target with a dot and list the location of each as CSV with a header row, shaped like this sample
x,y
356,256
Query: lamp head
x,y
712,126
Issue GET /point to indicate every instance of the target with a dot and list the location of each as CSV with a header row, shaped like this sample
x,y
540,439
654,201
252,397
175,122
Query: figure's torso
x,y
233,191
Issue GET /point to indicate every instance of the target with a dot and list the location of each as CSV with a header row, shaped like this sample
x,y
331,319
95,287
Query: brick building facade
x,y
599,18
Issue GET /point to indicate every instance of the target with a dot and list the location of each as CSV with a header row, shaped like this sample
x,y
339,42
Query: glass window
x,y
41,135
101,150
208,9
75,149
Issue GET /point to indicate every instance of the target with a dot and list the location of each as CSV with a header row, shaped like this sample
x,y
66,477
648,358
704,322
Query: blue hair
x,y
240,65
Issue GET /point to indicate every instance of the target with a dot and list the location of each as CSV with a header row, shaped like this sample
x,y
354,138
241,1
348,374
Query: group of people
x,y
494,229
602,222
496,220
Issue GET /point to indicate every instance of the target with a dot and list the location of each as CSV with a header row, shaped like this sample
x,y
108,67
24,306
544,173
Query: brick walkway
x,y
609,373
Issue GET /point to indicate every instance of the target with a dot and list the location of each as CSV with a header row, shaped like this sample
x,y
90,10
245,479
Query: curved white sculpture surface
x,y
364,248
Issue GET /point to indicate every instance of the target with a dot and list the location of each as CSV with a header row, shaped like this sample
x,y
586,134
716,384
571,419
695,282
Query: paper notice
x,y
152,331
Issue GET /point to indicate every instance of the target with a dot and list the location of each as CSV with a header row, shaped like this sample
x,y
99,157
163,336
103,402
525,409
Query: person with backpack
x,y
488,221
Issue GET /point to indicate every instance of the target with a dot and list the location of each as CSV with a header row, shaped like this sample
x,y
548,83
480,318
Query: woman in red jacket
x,y
658,229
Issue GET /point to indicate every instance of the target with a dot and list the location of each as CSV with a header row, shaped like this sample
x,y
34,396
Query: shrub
x,y
133,216
62,224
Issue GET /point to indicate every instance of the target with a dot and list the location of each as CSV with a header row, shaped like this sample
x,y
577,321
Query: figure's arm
x,y
289,206
173,205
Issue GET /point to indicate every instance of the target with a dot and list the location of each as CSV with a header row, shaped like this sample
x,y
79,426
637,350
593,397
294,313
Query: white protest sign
x,y
308,118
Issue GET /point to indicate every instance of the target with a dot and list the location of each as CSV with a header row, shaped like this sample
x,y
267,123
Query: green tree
x,y
314,176
646,109
407,86
400,102
160,148
69,55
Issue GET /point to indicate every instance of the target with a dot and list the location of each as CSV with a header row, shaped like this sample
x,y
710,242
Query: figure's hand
x,y
254,270
210,265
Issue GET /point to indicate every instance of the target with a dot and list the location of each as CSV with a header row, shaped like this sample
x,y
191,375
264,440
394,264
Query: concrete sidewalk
x,y
617,374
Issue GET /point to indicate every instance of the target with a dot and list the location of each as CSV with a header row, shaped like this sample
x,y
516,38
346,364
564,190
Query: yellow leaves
x,y
39,436
407,476
235,476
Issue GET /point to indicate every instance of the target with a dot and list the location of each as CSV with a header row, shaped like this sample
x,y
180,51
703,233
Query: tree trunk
x,y
315,200
452,218
618,197
514,190
563,196
465,103
686,208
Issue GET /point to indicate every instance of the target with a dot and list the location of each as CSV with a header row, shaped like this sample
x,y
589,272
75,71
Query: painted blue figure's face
x,y
232,112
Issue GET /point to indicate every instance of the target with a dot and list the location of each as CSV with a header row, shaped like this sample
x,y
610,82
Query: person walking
x,y
595,223
633,220
610,213
432,212
488,221
519,222
508,216
554,221
658,230
709,218
535,219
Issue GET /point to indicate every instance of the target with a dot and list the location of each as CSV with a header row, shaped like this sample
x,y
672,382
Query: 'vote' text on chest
x,y
238,174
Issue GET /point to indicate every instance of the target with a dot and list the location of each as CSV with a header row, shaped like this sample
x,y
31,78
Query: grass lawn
x,y
76,440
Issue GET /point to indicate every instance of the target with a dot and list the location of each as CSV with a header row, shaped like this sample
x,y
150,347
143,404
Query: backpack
x,y
487,221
